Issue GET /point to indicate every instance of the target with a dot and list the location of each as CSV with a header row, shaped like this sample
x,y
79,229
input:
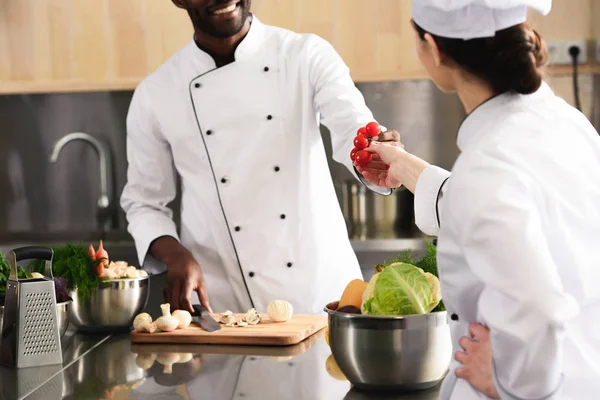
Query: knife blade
x,y
204,319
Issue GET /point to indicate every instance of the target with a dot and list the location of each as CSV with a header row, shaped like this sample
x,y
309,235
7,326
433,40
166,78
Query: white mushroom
x,y
280,310
228,318
131,272
140,319
185,357
184,318
110,274
252,317
167,359
141,273
145,361
167,322
121,264
241,323
148,327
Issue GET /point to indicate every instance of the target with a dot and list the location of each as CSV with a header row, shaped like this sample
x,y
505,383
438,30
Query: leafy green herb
x,y
72,263
427,264
5,273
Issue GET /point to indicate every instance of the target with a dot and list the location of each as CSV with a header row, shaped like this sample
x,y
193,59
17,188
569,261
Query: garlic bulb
x,y
167,322
184,318
140,319
280,310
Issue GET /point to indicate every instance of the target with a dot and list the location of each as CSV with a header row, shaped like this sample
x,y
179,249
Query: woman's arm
x,y
499,227
401,168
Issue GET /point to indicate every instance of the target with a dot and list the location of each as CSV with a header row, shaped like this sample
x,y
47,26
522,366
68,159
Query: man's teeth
x,y
225,10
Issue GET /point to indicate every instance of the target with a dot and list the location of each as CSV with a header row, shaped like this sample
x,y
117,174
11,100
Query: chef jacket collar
x,y
489,112
247,48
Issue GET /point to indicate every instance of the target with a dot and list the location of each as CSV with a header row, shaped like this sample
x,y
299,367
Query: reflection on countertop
x,y
99,367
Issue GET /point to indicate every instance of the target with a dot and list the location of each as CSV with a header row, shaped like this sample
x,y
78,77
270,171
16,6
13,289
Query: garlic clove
x,y
37,275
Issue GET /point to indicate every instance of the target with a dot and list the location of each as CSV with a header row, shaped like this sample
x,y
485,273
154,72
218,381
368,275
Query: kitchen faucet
x,y
104,203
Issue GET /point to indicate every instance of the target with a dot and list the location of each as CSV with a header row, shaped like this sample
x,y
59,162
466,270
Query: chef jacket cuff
x,y
506,395
377,189
148,233
427,194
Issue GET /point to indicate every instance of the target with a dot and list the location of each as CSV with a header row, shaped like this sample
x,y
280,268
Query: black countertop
x,y
111,367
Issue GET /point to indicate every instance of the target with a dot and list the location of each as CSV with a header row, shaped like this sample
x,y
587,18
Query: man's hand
x,y
184,274
477,360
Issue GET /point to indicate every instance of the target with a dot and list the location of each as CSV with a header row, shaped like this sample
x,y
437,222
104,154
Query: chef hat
x,y
470,19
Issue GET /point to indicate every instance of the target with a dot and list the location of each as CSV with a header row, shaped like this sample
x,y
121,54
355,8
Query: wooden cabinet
x,y
73,45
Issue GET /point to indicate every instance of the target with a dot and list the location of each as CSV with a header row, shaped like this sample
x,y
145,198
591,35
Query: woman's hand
x,y
392,166
477,360
380,171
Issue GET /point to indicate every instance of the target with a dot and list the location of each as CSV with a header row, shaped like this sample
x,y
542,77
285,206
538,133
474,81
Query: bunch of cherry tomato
x,y
363,139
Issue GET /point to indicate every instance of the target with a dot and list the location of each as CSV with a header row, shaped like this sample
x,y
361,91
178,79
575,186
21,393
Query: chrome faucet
x,y
104,203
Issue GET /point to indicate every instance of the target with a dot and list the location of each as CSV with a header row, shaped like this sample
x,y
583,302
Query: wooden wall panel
x,y
58,45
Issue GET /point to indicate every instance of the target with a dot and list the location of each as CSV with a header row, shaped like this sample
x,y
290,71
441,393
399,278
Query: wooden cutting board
x,y
266,333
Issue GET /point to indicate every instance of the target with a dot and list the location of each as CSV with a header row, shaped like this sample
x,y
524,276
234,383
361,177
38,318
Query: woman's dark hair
x,y
512,60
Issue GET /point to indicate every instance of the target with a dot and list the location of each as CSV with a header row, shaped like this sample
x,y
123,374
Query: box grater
x,y
29,329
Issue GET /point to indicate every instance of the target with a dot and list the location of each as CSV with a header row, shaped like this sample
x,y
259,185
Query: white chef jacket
x,y
518,245
259,209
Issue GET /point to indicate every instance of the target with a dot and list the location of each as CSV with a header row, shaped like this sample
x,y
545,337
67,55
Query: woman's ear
x,y
437,56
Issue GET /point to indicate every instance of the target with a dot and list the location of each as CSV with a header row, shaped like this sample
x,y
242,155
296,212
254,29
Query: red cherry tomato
x,y
363,158
362,131
361,142
353,154
373,129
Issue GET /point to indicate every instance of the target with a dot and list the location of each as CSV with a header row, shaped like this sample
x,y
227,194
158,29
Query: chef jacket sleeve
x,y
523,302
429,195
151,180
340,104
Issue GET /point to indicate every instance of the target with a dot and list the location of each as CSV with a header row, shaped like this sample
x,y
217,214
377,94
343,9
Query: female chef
x,y
519,217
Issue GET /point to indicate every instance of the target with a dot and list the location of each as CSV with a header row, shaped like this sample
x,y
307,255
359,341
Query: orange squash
x,y
353,293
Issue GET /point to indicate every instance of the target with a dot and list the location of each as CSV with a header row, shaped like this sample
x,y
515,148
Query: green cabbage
x,y
401,289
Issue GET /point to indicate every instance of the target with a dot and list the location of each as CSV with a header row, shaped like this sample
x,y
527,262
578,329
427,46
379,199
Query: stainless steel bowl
x,y
390,353
112,306
62,315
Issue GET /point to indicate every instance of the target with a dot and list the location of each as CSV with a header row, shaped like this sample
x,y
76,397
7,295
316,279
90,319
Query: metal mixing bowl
x,y
62,314
390,353
112,306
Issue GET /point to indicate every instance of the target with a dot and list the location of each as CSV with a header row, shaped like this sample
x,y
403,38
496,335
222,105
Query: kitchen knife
x,y
204,319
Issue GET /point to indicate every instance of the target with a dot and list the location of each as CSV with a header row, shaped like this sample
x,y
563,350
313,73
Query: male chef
x,y
235,114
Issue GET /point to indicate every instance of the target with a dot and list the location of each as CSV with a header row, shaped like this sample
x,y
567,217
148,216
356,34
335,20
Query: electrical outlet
x,y
558,51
